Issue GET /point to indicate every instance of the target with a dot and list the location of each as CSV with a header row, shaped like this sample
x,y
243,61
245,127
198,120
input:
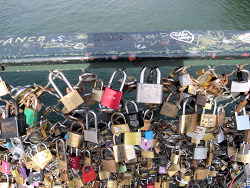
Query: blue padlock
x,y
65,136
149,135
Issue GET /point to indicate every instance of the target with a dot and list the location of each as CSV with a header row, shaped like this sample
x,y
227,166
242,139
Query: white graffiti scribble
x,y
140,46
138,38
79,46
164,36
184,36
245,37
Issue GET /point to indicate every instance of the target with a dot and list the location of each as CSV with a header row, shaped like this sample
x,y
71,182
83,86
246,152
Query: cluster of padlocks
x,y
190,139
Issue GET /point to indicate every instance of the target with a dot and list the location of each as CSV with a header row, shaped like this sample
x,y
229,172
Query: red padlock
x,y
74,160
111,98
150,185
88,176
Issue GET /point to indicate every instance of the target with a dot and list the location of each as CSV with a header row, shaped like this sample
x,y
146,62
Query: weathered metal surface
x,y
103,49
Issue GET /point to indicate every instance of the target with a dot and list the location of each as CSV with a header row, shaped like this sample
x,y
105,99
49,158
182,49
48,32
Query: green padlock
x,y
31,113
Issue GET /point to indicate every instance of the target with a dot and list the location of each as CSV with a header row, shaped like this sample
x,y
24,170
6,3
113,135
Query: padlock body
x,y
74,139
149,93
72,100
185,80
88,176
97,94
74,161
90,135
31,116
13,127
169,109
242,122
111,98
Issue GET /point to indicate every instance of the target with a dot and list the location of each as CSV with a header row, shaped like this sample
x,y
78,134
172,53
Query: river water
x,y
36,17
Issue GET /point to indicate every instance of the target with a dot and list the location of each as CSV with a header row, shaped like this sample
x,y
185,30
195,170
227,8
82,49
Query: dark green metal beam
x,y
124,49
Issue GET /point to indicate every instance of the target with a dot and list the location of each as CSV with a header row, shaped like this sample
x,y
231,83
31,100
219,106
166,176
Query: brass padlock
x,y
170,109
97,93
62,160
75,139
71,100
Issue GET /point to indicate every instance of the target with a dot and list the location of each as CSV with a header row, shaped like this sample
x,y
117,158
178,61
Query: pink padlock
x,y
6,165
162,170
146,143
35,184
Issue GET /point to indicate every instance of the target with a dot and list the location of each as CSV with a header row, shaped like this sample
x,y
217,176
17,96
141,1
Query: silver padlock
x,y
91,134
147,92
241,85
242,121
71,100
17,150
185,79
200,152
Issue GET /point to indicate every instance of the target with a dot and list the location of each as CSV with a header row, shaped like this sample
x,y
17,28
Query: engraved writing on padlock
x,y
147,92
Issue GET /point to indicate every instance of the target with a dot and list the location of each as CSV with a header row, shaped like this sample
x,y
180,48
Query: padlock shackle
x,y
7,108
244,112
158,75
20,91
131,102
3,111
113,75
214,111
106,149
148,111
51,80
95,120
76,123
184,107
118,114
101,82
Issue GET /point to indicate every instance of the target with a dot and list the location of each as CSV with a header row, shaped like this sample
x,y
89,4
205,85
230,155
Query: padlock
x,y
185,79
148,154
112,184
201,100
209,120
71,100
213,172
188,122
109,165
75,139
170,109
123,152
111,98
74,159
5,184
244,153
89,175
97,94
220,116
148,92
91,134
133,118
103,175
150,184
145,143
3,88
123,168
23,170
200,152
12,126
62,163
31,114
200,173
240,81
147,122
43,157
6,164
242,121
87,161
132,138
149,135
162,170
161,160
17,150
48,179
175,156
78,181
35,177
117,129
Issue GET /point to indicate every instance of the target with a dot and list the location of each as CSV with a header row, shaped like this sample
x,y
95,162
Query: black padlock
x,y
12,126
161,160
132,118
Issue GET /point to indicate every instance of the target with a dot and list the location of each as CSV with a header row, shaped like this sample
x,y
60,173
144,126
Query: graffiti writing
x,y
184,36
20,40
